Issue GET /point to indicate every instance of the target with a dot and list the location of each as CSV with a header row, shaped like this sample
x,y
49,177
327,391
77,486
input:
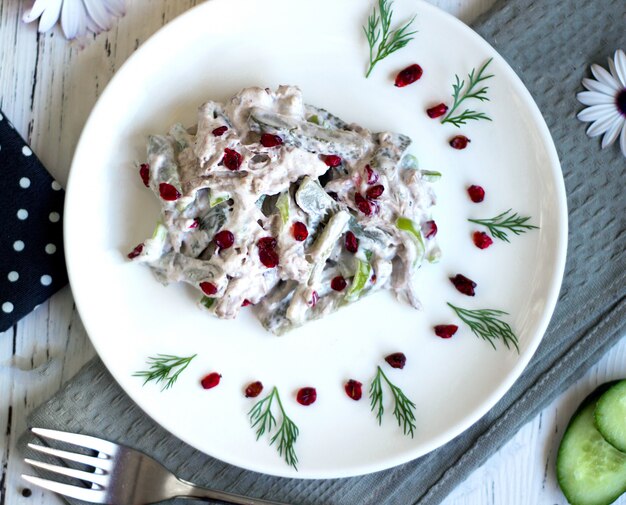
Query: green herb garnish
x,y
471,92
164,368
403,408
207,301
485,324
263,420
391,40
361,276
499,225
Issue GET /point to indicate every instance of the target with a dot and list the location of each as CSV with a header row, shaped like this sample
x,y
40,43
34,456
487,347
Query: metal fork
x,y
121,476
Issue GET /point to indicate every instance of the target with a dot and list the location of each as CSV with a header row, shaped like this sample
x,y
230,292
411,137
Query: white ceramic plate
x,y
213,51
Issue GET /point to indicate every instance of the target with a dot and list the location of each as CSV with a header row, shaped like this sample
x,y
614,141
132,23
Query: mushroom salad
x,y
272,202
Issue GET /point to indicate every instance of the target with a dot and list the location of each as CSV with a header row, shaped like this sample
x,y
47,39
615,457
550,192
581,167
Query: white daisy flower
x,y
606,100
77,16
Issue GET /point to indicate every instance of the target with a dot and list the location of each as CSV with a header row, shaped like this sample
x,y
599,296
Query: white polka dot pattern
x,y
46,280
13,276
26,151
25,182
51,248
54,217
22,214
18,245
7,307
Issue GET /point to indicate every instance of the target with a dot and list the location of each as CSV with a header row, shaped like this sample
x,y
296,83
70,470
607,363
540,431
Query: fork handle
x,y
203,493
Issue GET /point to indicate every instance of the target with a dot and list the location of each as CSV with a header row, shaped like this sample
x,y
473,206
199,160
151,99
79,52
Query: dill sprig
x,y
391,40
486,324
262,418
499,225
403,408
471,92
163,369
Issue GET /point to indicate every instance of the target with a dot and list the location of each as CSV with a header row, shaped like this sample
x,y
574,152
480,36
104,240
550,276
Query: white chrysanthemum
x,y
77,16
606,100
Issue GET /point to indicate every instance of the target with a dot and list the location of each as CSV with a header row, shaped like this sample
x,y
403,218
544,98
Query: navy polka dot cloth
x,y
32,264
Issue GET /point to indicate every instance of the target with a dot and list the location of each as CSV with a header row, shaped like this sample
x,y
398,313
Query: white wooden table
x,y
47,88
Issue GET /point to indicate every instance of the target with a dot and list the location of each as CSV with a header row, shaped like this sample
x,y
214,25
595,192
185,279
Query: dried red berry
x,y
168,192
306,396
135,252
476,193
268,257
338,283
463,284
211,380
220,130
352,243
429,228
481,239
354,389
254,389
208,288
144,173
299,231
246,302
232,159
332,160
314,299
437,111
375,191
362,204
396,360
269,140
372,176
459,142
224,239
445,330
409,75
195,224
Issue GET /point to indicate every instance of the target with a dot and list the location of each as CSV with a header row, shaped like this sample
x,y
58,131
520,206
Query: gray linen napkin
x,y
550,45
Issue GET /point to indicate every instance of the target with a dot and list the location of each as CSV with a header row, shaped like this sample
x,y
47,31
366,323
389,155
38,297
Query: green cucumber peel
x,y
431,175
359,281
408,225
282,204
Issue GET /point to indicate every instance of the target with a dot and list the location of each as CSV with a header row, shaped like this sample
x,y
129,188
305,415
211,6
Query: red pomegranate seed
x,y
269,257
168,192
144,173
409,75
306,396
332,160
232,159
208,288
352,243
135,252
373,279
211,380
429,229
437,111
362,204
246,302
338,283
219,131
375,191
354,389
445,330
476,193
269,140
299,231
266,243
372,176
481,239
396,360
459,142
314,299
463,284
224,239
254,389
195,224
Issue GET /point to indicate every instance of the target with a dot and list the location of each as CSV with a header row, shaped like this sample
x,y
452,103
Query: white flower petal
x,y
622,140
50,15
73,18
620,66
116,7
92,26
594,98
99,14
613,131
593,85
604,77
602,125
37,9
596,112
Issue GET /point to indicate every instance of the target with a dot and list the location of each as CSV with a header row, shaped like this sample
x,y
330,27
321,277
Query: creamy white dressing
x,y
214,198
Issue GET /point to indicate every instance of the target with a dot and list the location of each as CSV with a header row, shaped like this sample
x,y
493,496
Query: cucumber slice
x,y
610,416
590,471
